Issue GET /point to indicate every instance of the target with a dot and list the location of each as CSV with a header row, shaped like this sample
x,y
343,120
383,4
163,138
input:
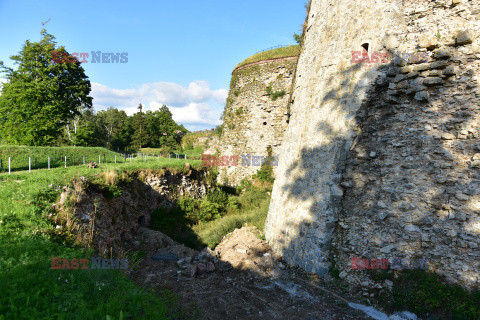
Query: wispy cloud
x,y
2,80
194,106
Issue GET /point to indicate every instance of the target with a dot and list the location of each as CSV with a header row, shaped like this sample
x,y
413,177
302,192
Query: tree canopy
x,y
46,102
41,97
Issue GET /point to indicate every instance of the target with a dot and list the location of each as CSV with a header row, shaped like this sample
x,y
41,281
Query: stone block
x,y
442,54
433,81
428,42
438,64
464,37
422,96
450,71
421,67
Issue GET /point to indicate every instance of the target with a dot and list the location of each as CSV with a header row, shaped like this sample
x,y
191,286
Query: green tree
x,y
87,133
298,38
140,136
41,97
111,122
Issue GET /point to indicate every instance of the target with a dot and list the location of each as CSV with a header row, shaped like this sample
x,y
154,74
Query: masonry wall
x,y
253,121
379,160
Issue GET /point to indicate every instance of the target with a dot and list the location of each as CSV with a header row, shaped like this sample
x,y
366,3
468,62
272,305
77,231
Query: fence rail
x,y
9,164
276,47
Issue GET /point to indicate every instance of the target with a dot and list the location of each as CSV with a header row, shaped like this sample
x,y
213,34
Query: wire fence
x,y
12,164
276,47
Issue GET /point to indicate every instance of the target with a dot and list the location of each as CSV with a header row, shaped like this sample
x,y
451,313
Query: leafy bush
x,y
274,95
218,196
265,174
219,129
196,210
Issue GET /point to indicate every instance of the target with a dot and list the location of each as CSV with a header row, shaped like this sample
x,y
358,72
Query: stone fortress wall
x,y
383,160
253,121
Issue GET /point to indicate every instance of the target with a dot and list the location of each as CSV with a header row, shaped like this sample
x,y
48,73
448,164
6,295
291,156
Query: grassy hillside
x,y
30,289
19,156
290,51
196,143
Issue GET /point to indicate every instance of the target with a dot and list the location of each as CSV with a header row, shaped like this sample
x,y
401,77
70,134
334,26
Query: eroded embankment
x,y
107,216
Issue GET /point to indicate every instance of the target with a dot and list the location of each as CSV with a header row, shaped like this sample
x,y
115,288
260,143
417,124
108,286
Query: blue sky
x,y
180,53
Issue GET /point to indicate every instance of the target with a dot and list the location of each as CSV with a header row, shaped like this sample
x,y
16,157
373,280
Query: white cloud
x,y
199,91
2,80
220,95
189,105
199,113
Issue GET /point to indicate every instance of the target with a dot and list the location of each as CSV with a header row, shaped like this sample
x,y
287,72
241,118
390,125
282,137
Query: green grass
x,y
186,224
253,209
19,156
30,289
290,51
428,294
191,145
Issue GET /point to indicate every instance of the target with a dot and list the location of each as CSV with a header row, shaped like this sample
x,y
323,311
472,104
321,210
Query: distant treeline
x,y
115,130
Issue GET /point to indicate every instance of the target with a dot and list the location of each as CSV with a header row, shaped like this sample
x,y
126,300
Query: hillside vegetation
x,y
290,51
30,289
196,143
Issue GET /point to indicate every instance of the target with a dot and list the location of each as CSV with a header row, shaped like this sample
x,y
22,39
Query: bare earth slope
x,y
241,279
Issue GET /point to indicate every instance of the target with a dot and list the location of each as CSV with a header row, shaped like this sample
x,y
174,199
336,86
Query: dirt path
x,y
241,279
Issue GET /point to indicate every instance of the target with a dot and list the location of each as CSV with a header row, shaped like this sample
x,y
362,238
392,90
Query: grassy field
x,y
30,289
19,156
190,152
290,51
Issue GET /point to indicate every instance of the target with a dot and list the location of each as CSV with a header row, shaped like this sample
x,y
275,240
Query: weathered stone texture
x,y
379,161
253,121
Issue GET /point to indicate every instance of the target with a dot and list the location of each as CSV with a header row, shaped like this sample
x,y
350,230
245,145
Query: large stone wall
x,y
378,160
253,121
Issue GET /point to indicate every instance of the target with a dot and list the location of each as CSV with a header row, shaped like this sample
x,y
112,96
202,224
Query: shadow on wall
x,y
396,177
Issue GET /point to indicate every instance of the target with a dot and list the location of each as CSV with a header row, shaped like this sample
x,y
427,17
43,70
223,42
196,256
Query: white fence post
x,y
115,158
9,165
48,163
65,161
29,164
83,159
99,158
185,157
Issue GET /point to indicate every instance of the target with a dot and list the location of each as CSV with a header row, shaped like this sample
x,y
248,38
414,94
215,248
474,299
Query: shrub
x,y
265,174
219,197
274,95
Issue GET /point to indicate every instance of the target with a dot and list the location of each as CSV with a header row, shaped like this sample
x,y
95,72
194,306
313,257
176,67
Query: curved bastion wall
x,y
255,117
382,160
